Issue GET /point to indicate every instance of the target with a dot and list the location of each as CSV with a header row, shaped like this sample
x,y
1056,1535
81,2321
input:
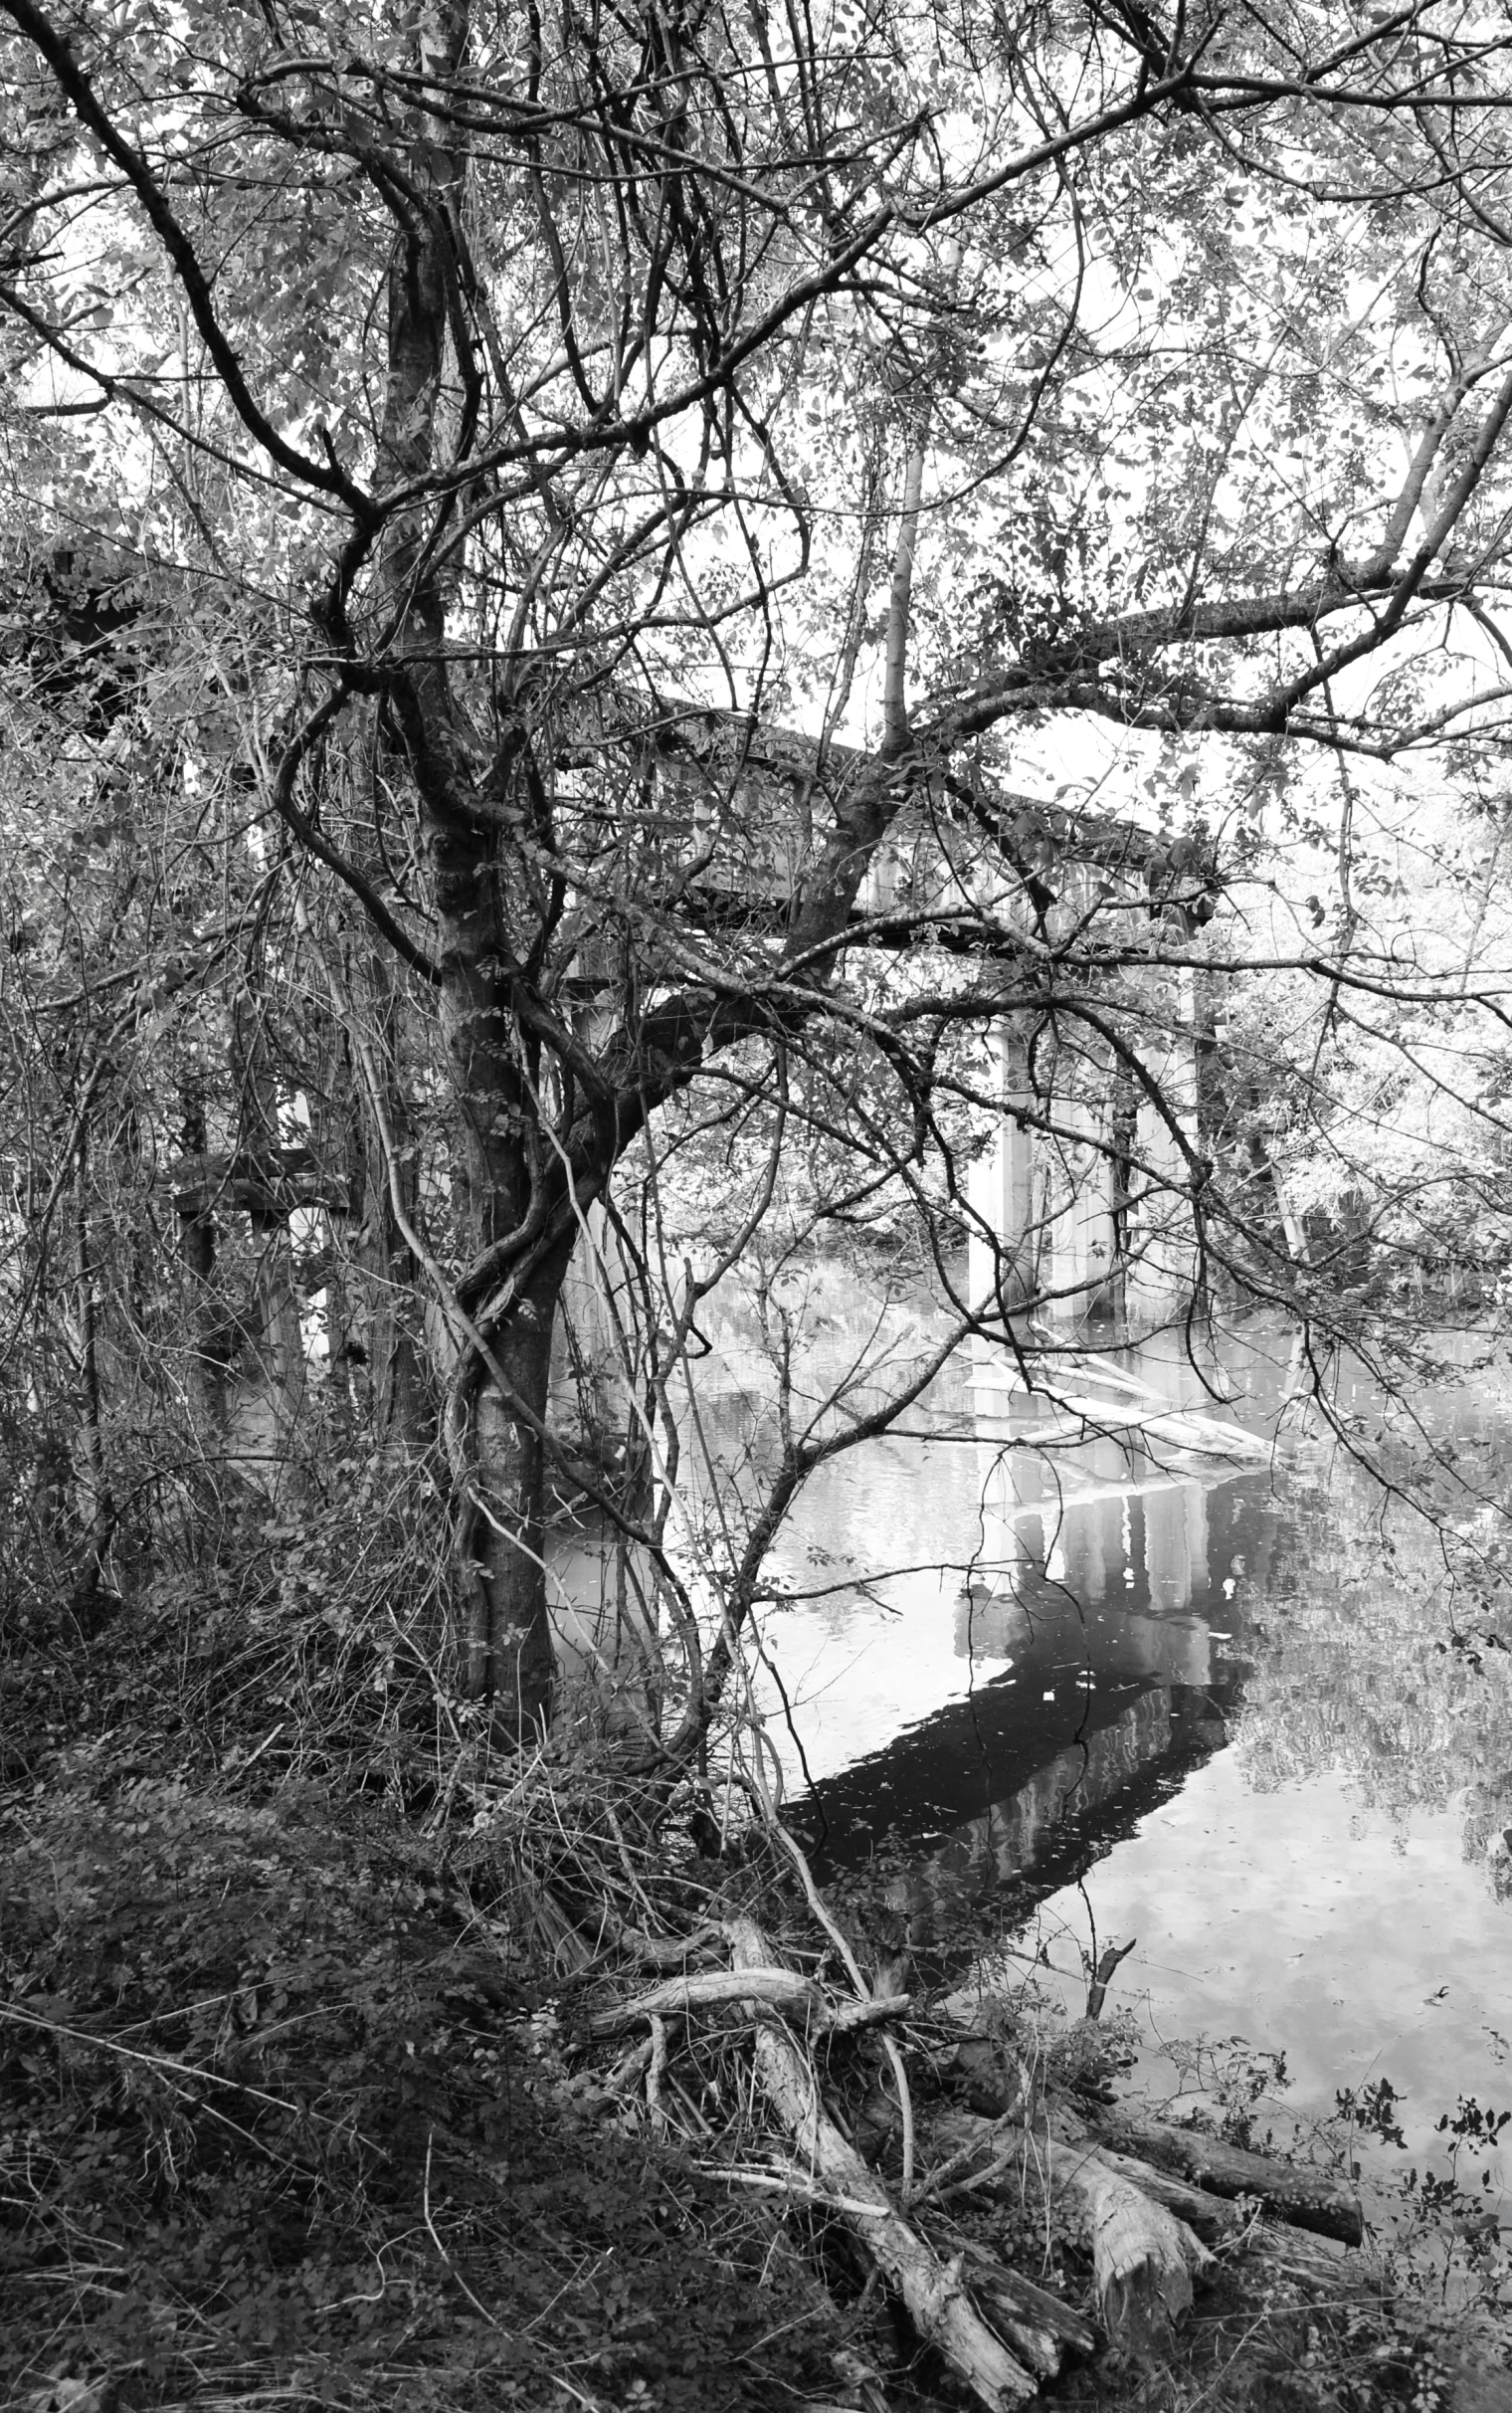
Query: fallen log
x,y
1043,2327
933,2293
1307,2199
1143,2254
990,2148
1304,2198
1320,2267
1212,2218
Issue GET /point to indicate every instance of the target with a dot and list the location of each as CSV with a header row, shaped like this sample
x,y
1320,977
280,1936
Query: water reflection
x,y
1256,1714
1022,1845
1054,1636
1013,1603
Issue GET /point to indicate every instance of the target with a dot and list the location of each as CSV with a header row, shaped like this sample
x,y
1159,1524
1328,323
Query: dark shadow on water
x,y
944,1803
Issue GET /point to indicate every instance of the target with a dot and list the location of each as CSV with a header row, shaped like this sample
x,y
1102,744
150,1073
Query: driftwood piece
x,y
937,2302
779,1989
1143,2255
1209,2217
1308,2199
1043,2327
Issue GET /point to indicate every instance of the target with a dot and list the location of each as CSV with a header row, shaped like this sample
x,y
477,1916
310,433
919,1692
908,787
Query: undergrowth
x,y
279,2120
294,2104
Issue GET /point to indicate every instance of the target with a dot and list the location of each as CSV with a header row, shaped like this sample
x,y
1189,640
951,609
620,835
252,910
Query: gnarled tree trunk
x,y
511,1658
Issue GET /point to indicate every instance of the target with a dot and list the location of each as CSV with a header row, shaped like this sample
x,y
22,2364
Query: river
x,y
1248,1710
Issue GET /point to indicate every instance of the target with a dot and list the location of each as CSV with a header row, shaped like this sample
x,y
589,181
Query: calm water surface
x,y
1236,1709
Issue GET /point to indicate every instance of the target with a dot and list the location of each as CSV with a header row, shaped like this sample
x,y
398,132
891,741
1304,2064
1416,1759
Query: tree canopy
x,y
570,576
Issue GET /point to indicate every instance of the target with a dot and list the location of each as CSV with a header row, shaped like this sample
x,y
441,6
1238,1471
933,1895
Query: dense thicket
x,y
565,572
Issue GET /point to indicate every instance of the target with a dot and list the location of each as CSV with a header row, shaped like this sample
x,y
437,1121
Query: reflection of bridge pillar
x,y
1177,1650
1176,1545
1011,1490
990,1623
1083,1537
1001,1185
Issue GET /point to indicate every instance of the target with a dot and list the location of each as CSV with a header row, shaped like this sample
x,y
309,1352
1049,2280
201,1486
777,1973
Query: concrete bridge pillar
x,y
1083,1261
1093,1216
599,1301
1003,1188
598,1315
1159,1235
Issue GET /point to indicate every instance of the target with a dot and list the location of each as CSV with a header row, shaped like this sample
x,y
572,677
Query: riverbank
x,y
328,2083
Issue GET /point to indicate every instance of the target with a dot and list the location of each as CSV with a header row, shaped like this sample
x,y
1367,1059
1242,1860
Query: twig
x,y
655,2073
477,2306
254,1756
1097,1991
181,2069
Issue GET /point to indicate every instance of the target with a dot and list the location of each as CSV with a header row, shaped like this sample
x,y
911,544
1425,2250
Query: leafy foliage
x,y
278,2113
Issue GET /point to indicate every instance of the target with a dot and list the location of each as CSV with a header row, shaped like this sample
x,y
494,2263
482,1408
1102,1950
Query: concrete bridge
x,y
1077,1203
1080,1206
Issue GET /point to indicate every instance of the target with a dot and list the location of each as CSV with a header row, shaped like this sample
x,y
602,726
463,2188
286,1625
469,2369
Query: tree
x,y
627,483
